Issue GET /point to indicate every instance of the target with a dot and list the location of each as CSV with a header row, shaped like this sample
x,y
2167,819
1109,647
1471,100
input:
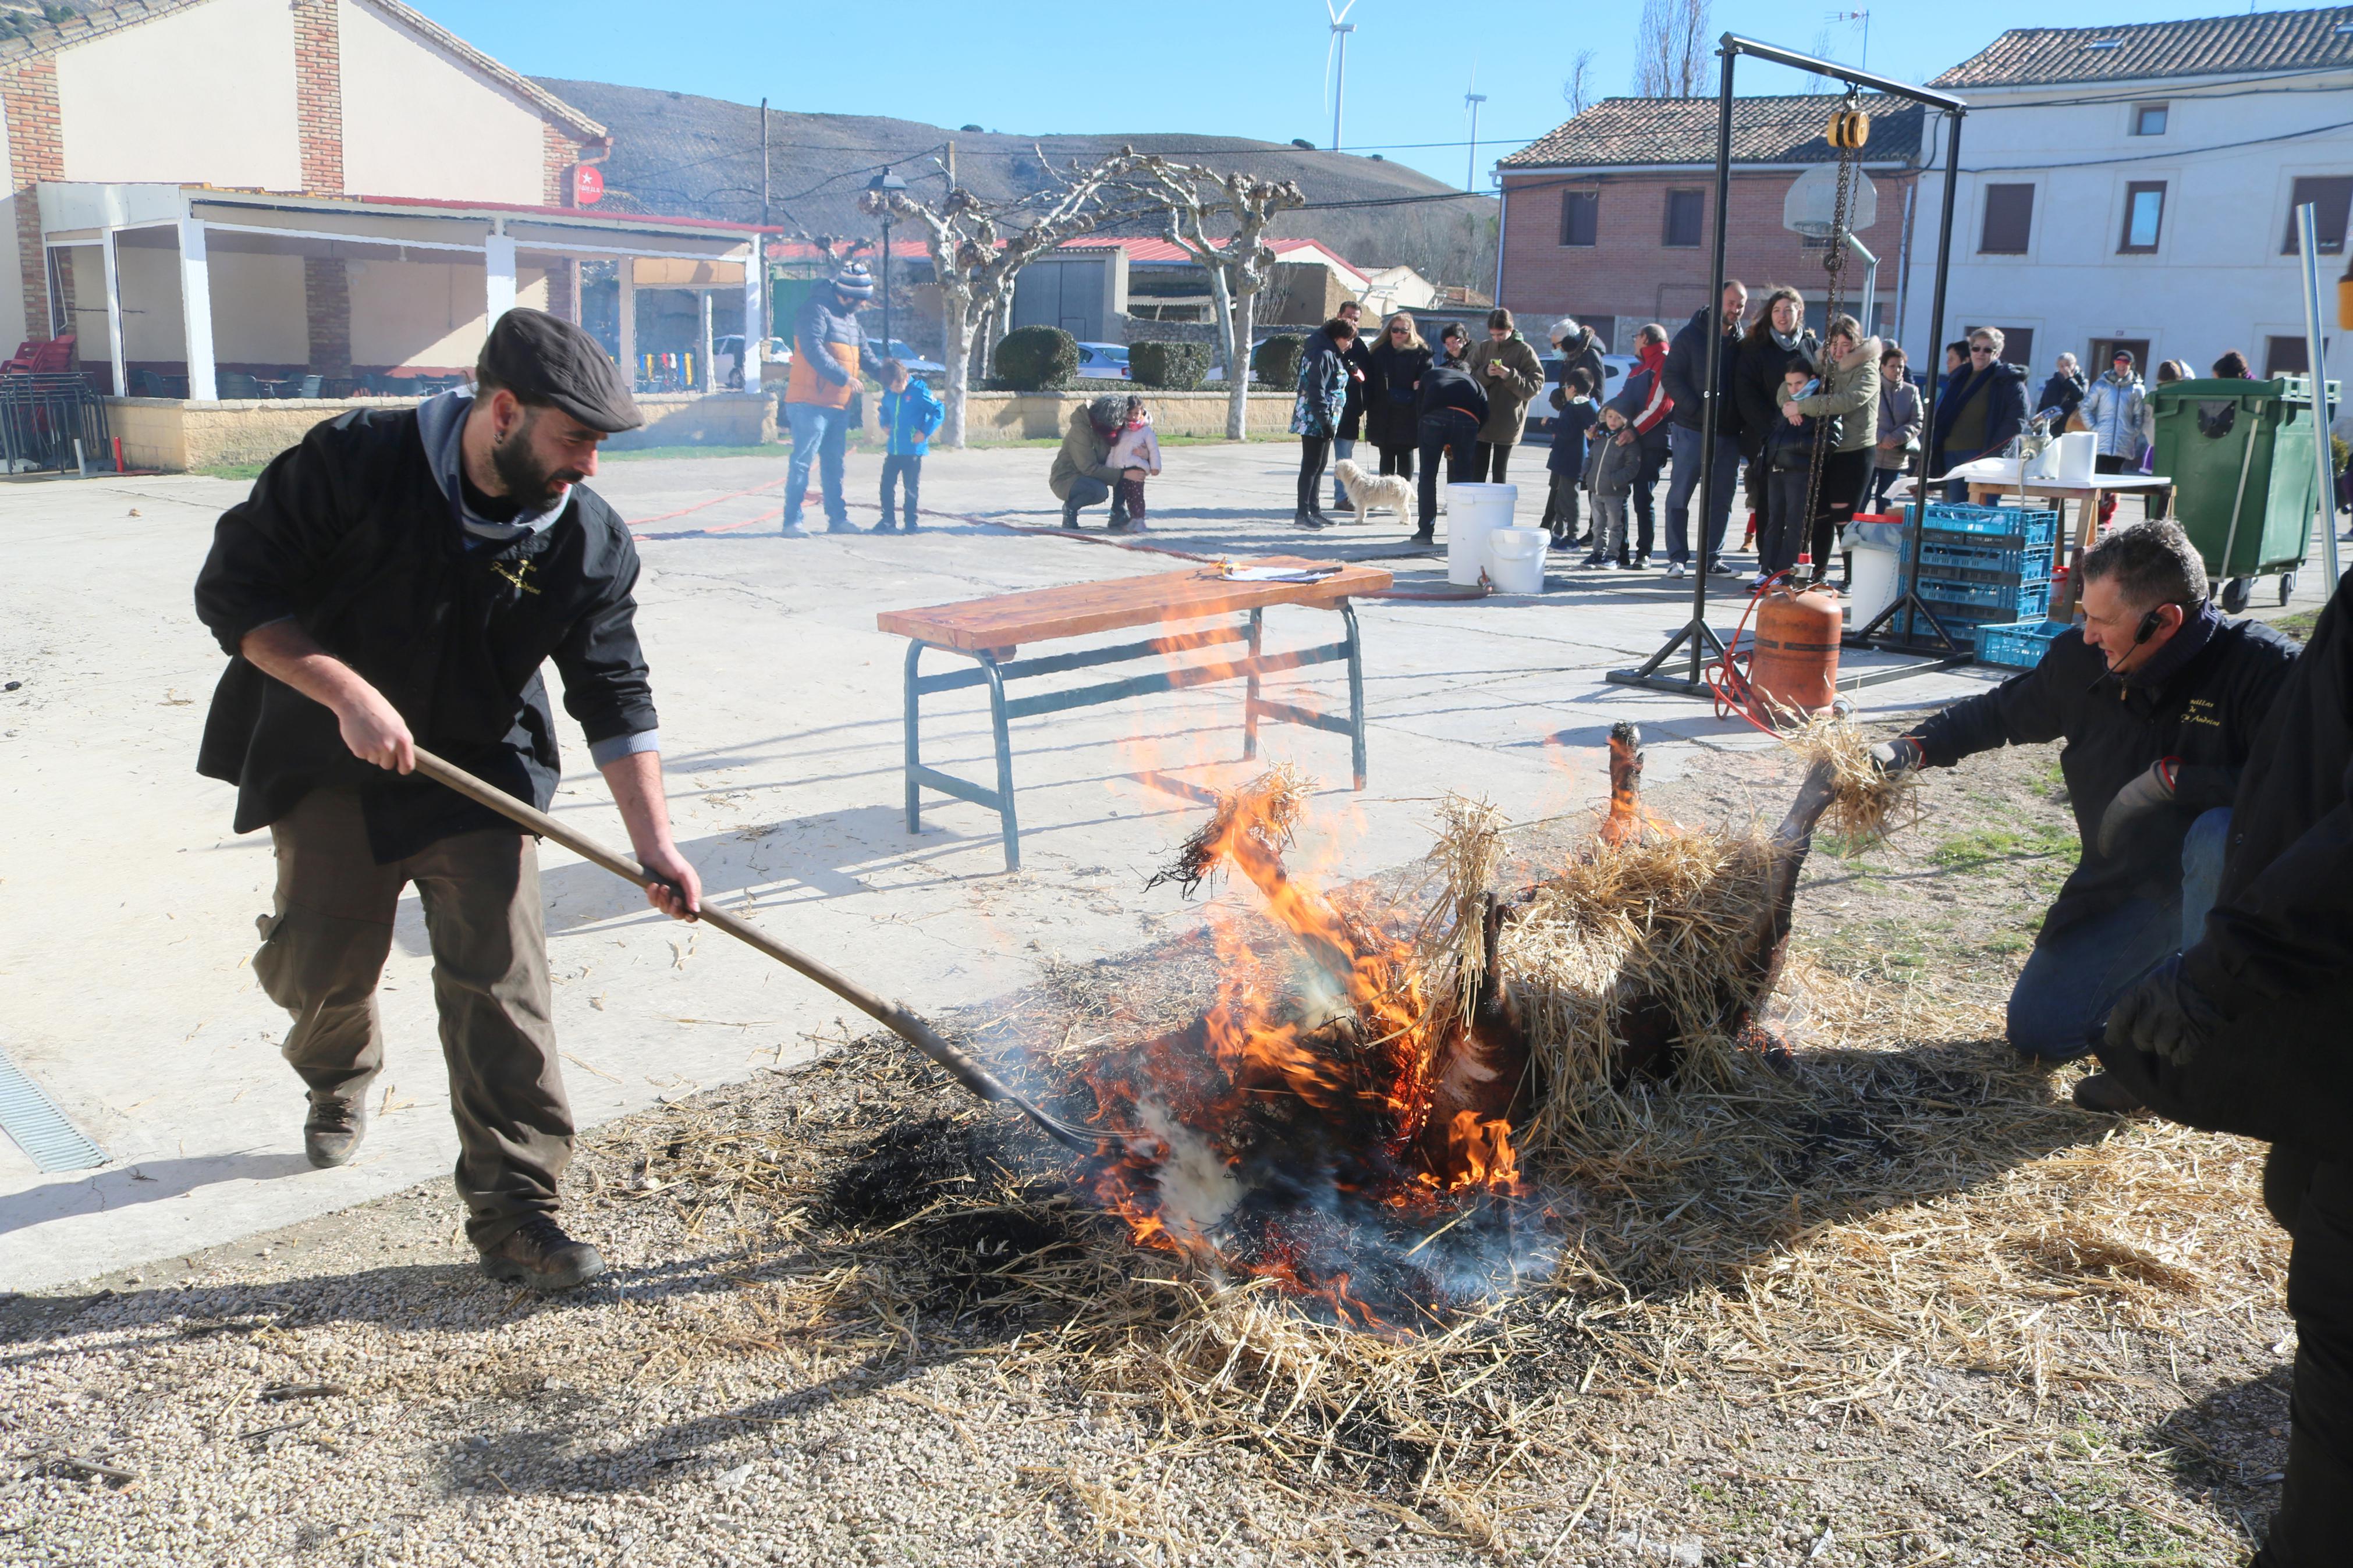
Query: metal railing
x,y
53,422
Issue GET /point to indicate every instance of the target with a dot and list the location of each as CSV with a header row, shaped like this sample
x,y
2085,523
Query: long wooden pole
x,y
892,1015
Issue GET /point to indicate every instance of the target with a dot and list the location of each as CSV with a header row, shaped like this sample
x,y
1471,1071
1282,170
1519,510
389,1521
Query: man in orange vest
x,y
828,344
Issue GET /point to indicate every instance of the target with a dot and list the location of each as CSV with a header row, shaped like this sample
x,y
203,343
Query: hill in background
x,y
700,157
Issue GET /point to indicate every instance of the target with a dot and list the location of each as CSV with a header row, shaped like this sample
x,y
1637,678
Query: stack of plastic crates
x,y
1982,565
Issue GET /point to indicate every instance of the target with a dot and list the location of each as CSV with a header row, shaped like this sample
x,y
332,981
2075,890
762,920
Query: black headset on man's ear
x,y
2149,624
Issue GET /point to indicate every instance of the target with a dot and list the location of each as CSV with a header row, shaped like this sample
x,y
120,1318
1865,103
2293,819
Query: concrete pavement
x,y
127,927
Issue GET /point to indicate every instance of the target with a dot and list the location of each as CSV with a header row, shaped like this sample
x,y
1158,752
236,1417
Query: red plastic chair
x,y
50,358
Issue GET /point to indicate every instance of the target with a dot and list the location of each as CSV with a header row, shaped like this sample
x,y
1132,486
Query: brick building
x,y
217,196
1609,218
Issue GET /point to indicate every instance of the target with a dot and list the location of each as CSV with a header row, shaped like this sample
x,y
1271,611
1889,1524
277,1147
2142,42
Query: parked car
x,y
1102,362
727,358
1615,369
898,349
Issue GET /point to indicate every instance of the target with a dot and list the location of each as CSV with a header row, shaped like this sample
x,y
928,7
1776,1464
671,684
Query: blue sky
x,y
1041,66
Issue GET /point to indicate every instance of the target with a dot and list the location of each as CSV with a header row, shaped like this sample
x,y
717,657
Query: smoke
x,y
1197,1189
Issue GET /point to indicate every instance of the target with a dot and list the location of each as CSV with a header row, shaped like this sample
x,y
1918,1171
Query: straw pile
x,y
1668,928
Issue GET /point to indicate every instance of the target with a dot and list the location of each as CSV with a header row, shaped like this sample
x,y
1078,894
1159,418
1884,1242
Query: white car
x,y
898,349
1615,369
1102,362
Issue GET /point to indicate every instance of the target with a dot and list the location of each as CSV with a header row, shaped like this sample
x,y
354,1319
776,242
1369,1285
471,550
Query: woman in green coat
x,y
1849,401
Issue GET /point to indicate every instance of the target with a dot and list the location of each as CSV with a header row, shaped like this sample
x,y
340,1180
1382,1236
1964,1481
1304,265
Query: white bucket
x,y
2079,452
1876,576
1515,559
1474,511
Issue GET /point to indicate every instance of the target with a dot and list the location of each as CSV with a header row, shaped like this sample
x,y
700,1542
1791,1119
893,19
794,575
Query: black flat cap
x,y
545,359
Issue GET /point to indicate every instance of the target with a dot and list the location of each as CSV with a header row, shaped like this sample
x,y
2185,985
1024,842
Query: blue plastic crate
x,y
2010,597
1956,517
2018,646
1944,553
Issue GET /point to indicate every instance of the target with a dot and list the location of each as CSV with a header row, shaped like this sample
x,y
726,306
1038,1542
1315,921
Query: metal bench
x,y
990,631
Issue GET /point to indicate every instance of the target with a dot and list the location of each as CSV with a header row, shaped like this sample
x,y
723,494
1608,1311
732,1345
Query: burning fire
x,y
1340,1130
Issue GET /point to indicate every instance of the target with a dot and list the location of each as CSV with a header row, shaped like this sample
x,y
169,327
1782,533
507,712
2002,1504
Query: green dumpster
x,y
2239,455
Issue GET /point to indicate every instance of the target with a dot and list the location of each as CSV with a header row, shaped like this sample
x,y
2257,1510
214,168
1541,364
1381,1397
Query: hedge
x,y
1169,367
1037,358
1276,361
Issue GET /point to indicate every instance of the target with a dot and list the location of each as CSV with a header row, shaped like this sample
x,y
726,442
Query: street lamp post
x,y
882,186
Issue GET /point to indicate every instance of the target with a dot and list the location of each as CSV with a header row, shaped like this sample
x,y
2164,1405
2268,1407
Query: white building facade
x,y
2135,186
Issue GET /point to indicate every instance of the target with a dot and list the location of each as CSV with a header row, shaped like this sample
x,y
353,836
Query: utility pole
x,y
1471,167
763,163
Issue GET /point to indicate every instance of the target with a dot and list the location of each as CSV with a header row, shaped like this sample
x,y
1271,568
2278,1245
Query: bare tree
x,y
1670,48
1220,220
1578,89
977,247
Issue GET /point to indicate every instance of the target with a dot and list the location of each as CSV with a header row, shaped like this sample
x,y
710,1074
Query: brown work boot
x,y
2102,1093
541,1256
331,1133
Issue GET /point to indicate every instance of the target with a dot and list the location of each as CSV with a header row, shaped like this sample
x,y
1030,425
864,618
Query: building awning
x,y
199,221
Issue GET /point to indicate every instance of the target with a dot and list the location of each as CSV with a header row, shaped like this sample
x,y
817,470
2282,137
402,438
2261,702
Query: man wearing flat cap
x,y
396,581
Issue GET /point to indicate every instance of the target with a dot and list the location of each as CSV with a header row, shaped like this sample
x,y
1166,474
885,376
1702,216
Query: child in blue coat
x,y
1577,416
910,414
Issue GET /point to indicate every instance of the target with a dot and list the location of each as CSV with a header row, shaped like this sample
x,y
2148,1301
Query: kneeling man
x,y
397,579
2159,699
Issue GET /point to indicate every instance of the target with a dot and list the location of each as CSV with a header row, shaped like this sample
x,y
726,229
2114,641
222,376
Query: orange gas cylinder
x,y
1797,643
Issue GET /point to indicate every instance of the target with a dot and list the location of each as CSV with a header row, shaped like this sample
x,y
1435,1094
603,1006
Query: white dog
x,y
1366,491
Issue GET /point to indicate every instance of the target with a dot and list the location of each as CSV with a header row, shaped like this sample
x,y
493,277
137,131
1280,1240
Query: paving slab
x,y
127,924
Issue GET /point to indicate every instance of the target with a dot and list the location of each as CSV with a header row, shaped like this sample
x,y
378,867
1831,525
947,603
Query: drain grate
x,y
39,1127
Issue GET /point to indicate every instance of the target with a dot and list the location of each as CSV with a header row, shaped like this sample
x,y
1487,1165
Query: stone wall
x,y
174,435
999,416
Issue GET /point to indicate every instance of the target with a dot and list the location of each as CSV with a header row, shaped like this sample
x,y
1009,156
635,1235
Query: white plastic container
x,y
1472,512
1515,559
1878,576
2079,452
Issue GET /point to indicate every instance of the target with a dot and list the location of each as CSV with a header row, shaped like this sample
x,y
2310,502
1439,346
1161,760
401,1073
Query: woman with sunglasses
x,y
1391,422
1983,408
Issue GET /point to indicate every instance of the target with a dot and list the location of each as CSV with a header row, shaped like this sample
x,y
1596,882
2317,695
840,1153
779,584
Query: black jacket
x,y
1450,388
1687,363
2202,699
2276,964
351,535
1756,375
2003,386
2063,393
1583,352
2284,920
1352,413
1391,389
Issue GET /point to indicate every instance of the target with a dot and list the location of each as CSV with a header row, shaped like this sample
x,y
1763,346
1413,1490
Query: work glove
x,y
2164,1014
1899,755
2147,792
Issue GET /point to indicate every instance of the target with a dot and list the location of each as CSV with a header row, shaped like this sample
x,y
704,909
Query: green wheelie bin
x,y
2245,488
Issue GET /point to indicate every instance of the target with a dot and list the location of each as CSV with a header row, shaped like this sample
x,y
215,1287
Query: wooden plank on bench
x,y
1041,615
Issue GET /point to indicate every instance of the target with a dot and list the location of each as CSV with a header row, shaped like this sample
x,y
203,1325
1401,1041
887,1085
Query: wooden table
x,y
990,631
2086,497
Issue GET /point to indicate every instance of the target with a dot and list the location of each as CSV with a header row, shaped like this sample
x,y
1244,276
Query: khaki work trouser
x,y
324,951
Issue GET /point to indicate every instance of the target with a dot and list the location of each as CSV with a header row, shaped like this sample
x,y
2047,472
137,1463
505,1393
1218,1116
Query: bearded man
x,y
396,579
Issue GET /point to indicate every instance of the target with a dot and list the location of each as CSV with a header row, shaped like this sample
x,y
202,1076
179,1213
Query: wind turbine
x,y
1338,50
1471,100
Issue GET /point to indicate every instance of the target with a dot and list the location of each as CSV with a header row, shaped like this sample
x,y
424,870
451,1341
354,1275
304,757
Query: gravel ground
x,y
2063,1344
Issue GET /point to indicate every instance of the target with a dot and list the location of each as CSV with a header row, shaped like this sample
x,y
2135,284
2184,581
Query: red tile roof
x,y
2208,46
1674,131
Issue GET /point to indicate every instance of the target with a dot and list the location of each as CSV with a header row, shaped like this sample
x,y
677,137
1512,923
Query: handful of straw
x,y
1867,803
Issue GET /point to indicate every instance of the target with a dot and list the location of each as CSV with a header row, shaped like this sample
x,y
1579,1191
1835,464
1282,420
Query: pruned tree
x,y
977,248
1670,48
1221,221
1578,87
